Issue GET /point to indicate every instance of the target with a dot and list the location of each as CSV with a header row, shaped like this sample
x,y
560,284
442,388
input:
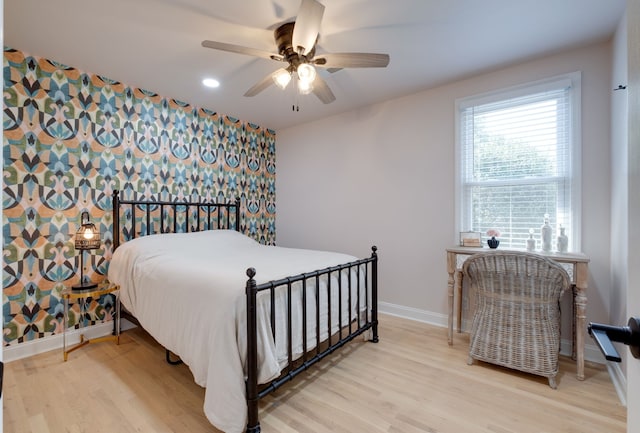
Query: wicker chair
x,y
516,322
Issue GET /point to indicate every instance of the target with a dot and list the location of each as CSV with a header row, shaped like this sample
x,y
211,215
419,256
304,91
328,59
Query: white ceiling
x,y
155,44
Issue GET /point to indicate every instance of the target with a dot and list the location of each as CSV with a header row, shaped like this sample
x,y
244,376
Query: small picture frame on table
x,y
470,239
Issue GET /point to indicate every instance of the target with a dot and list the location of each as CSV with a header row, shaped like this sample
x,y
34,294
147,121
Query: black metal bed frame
x,y
222,212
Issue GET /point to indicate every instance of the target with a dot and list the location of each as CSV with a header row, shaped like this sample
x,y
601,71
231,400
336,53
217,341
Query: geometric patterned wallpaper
x,y
70,139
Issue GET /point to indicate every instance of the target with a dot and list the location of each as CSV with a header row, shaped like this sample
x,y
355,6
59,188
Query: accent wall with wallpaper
x,y
70,139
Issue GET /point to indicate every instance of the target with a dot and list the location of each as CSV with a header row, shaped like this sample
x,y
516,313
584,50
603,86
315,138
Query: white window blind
x,y
515,163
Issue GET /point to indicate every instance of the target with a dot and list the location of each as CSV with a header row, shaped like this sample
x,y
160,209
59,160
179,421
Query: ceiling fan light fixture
x,y
281,77
305,87
306,73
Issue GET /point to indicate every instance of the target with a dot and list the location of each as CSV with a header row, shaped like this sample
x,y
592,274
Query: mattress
x,y
188,291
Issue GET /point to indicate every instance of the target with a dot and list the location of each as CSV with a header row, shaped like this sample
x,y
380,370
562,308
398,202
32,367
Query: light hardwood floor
x,y
411,381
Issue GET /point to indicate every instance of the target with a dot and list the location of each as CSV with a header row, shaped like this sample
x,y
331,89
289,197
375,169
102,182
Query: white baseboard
x,y
54,342
619,381
424,316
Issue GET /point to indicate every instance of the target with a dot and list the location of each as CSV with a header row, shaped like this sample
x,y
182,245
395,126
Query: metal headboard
x,y
194,216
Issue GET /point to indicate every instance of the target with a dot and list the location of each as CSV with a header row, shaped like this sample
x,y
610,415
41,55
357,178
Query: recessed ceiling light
x,y
210,82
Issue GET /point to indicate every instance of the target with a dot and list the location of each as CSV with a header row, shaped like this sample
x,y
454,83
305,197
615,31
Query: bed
x,y
245,317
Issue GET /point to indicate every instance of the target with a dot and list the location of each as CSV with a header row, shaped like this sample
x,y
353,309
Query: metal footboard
x,y
312,352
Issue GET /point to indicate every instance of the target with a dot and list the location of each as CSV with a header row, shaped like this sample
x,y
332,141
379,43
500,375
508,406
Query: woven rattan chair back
x,y
516,322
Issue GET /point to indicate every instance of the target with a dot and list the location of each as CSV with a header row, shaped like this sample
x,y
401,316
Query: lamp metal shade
x,y
88,238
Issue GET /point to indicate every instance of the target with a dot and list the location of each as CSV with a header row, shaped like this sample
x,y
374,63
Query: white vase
x,y
545,232
531,243
563,241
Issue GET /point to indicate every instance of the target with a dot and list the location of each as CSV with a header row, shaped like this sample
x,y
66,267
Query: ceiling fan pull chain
x,y
296,99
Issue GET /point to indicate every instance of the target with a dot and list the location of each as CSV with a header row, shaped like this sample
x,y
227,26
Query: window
x,y
518,159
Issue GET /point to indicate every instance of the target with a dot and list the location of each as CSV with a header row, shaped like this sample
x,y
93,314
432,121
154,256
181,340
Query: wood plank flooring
x,y
411,381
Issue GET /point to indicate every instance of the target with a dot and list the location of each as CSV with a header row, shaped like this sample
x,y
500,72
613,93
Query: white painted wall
x,y
620,172
633,294
384,175
619,189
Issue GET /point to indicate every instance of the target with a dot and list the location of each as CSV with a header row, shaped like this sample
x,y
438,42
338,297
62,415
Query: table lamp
x,y
87,238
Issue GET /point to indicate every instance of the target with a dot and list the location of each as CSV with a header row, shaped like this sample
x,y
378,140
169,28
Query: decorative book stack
x,y
470,239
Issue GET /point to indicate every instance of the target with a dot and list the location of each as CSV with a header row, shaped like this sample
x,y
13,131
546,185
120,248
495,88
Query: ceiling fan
x,y
296,42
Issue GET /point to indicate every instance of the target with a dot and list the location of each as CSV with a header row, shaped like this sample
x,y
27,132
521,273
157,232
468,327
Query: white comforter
x,y
188,291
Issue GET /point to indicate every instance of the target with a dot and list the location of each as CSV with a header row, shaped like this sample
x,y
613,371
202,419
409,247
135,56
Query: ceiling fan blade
x,y
261,85
322,91
307,27
352,60
241,50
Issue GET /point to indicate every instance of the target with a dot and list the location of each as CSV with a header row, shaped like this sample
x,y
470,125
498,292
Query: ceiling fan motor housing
x,y
283,36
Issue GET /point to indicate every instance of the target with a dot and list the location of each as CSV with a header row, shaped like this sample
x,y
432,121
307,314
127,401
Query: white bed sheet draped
x,y
188,291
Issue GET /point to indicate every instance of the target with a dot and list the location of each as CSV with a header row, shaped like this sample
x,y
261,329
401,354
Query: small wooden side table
x,y
103,288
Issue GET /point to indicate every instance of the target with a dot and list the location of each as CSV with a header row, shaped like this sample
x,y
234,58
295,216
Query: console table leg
x,y
451,269
581,316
